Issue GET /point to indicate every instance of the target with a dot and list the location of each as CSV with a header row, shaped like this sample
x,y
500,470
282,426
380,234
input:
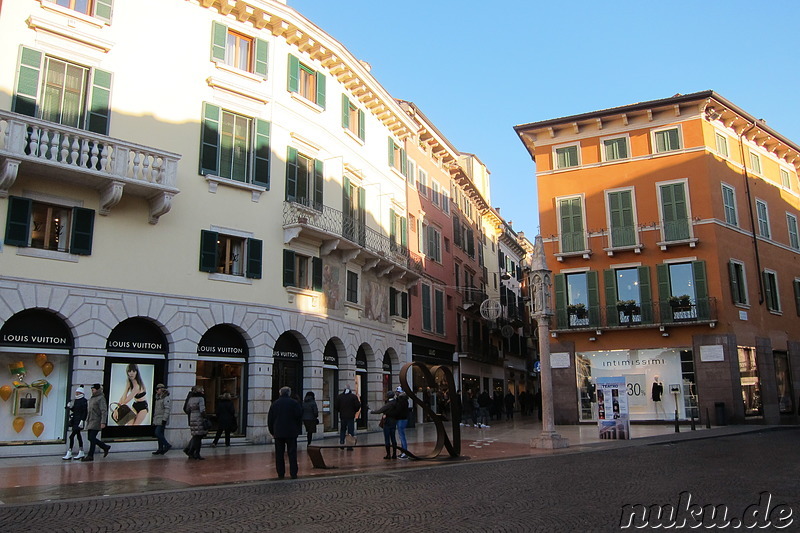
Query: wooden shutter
x,y
571,225
403,162
391,152
82,231
208,250
439,310
456,231
29,69
769,297
560,284
320,101
103,9
316,274
664,292
261,56
734,281
620,207
610,283
254,256
404,232
99,102
593,295
361,125
345,111
261,153
426,308
291,174
319,183
406,310
18,221
392,301
701,290
293,80
645,294
209,141
673,205
288,268
219,36
392,226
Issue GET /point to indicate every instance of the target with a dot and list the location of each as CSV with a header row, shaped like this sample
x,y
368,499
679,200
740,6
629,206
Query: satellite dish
x,y
507,331
490,309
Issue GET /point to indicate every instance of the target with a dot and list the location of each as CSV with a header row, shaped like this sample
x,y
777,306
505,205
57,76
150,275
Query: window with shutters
x,y
94,8
49,226
763,219
674,211
722,144
234,147
615,148
683,291
566,156
786,179
577,299
570,213
397,157
755,163
302,271
306,82
436,196
398,303
62,92
771,294
666,140
353,118
738,282
398,231
729,204
628,296
239,51
304,179
791,224
230,253
796,286
352,287
433,249
622,226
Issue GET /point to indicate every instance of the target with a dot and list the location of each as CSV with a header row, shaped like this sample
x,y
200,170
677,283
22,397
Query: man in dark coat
x,y
284,421
348,405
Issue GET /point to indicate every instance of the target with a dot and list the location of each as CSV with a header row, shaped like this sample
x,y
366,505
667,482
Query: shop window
x,y
749,380
46,226
783,382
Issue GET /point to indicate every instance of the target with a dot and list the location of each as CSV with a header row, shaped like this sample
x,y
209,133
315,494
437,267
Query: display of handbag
x,y
121,413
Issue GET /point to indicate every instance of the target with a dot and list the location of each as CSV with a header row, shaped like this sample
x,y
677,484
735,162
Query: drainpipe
x,y
750,209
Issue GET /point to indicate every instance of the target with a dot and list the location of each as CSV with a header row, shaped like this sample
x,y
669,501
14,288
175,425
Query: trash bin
x,y
719,412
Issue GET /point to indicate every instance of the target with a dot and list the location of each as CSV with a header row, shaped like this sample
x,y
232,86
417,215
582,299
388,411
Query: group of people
x,y
480,408
89,415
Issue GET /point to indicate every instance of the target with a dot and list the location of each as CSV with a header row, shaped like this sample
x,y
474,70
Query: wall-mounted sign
x,y
35,328
712,352
137,335
559,360
222,340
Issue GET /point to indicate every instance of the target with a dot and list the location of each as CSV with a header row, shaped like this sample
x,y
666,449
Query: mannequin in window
x,y
656,392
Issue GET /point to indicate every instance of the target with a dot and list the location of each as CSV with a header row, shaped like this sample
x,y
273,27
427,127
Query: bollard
x,y
708,420
677,427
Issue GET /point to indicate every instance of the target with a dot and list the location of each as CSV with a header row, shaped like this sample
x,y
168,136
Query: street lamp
x,y
541,282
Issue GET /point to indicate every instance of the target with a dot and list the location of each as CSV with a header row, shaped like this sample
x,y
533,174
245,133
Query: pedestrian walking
x,y
96,416
347,404
77,411
226,419
195,407
283,421
402,419
509,403
389,424
310,415
484,403
161,409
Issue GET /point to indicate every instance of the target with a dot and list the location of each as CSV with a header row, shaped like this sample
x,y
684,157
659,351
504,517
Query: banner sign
x,y
613,420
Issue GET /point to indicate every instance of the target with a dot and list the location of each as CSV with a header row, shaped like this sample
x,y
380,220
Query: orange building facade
x,y
671,228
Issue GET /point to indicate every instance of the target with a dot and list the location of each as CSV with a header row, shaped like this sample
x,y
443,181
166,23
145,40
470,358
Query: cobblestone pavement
x,y
573,492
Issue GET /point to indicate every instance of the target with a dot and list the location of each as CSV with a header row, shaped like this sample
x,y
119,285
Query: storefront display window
x,y
784,383
751,389
221,370
330,385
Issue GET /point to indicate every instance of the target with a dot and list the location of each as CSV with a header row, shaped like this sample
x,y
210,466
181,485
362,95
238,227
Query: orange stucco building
x,y
671,228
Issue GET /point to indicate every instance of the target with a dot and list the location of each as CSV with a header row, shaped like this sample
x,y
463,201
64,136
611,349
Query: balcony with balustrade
x,y
32,147
676,311
352,238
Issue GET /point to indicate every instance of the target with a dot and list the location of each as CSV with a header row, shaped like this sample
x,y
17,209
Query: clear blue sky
x,y
477,69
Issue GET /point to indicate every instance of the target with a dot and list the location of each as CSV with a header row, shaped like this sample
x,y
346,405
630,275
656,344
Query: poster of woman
x,y
129,394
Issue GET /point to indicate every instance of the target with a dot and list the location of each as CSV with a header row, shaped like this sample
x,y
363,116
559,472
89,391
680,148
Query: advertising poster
x,y
613,421
130,394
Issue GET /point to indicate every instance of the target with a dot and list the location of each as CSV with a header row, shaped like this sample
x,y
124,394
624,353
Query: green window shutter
x,y
426,308
208,251
796,285
392,301
560,284
391,152
219,34
254,255
734,279
610,283
392,226
593,295
261,153
701,290
316,274
319,184
362,210
769,298
29,68
209,141
439,310
571,225
103,9
262,54
456,231
404,232
645,294
82,231
621,214
345,111
294,74
18,221
673,202
320,90
288,268
403,162
99,102
291,174
405,309
361,125
664,292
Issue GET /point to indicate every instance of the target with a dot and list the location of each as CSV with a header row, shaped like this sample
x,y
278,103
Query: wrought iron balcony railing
x,y
649,314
